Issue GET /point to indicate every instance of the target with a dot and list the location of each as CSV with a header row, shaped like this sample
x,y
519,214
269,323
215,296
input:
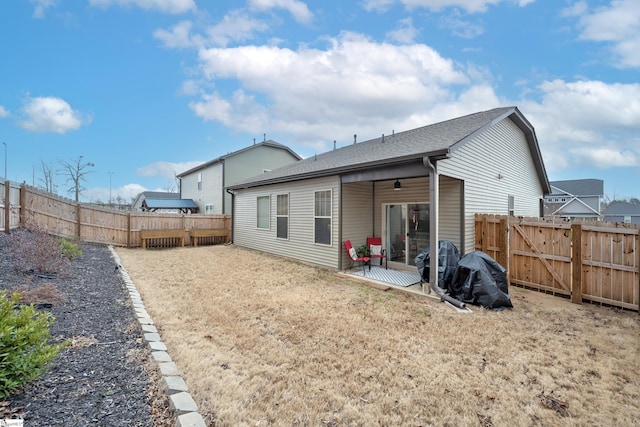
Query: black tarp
x,y
479,279
448,257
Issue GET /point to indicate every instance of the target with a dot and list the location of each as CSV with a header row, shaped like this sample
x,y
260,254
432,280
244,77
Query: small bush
x,y
34,249
46,293
24,351
69,249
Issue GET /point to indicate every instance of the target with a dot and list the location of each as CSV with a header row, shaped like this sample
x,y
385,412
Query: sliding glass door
x,y
406,231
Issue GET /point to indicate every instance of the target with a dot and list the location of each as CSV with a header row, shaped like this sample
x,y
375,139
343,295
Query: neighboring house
x,y
628,213
399,187
205,184
160,201
575,199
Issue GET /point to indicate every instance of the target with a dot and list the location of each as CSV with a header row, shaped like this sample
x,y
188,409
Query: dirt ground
x,y
262,340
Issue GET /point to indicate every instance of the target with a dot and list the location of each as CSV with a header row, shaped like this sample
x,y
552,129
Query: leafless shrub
x,y
46,293
36,251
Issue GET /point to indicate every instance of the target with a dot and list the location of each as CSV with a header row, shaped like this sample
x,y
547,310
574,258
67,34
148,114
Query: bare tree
x,y
76,172
46,180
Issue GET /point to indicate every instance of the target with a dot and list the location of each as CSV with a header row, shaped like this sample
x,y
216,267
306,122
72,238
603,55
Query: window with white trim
x,y
263,212
199,181
282,216
511,205
322,217
208,208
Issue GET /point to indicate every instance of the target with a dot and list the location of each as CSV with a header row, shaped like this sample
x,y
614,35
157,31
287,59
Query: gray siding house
x,y
205,184
575,199
626,212
411,188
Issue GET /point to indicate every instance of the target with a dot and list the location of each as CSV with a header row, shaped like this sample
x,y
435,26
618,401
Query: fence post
x,y
483,235
503,245
23,206
576,263
78,218
128,229
7,206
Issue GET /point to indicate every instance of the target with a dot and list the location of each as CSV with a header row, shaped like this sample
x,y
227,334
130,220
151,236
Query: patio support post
x,y
434,240
434,237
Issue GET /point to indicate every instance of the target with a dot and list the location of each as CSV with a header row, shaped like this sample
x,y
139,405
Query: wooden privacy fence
x,y
594,261
66,218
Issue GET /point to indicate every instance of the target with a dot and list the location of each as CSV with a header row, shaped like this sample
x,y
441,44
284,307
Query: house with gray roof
x,y
163,202
575,199
205,184
410,188
626,212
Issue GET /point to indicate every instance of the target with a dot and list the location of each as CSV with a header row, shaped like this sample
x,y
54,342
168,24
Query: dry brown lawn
x,y
262,340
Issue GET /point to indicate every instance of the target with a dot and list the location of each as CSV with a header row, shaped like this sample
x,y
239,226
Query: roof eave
x,y
440,154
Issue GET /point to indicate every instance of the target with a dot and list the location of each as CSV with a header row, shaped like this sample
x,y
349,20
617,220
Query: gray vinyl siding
x,y
416,190
211,187
357,215
300,244
450,214
495,164
249,163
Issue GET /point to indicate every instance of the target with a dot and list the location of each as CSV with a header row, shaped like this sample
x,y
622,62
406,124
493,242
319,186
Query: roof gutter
x,y
441,154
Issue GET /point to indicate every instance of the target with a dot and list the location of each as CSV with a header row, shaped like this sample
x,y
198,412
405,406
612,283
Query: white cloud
x,y
4,112
236,26
41,6
617,24
165,6
588,123
179,36
460,27
166,169
297,9
471,6
577,9
405,33
314,93
49,114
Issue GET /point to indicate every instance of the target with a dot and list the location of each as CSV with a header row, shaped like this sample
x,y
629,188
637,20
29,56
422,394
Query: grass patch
x,y
276,342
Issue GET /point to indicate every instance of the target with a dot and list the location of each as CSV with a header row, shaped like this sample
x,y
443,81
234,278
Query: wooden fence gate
x,y
595,261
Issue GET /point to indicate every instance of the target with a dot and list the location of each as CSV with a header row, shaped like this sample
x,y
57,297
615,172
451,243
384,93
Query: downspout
x,y
223,185
434,195
232,216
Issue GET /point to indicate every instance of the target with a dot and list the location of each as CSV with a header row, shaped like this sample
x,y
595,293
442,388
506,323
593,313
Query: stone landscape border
x,y
180,401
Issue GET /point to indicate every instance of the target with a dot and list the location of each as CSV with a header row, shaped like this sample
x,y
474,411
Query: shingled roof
x,y
578,187
436,140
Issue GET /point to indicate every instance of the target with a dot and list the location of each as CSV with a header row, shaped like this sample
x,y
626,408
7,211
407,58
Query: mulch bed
x,y
105,376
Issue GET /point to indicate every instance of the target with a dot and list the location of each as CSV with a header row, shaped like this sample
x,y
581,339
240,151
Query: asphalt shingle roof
x,y
579,187
433,139
171,204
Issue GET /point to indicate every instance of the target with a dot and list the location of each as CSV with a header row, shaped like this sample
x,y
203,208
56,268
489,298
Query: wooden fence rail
x,y
594,261
64,217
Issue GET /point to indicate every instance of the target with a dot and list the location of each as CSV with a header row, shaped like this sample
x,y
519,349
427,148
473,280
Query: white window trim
x,y
283,216
330,217
268,213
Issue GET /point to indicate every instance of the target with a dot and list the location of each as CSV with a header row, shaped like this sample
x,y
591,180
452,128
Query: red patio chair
x,y
354,257
376,250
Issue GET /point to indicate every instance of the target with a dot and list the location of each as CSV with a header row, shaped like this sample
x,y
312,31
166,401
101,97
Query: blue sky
x,y
145,89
